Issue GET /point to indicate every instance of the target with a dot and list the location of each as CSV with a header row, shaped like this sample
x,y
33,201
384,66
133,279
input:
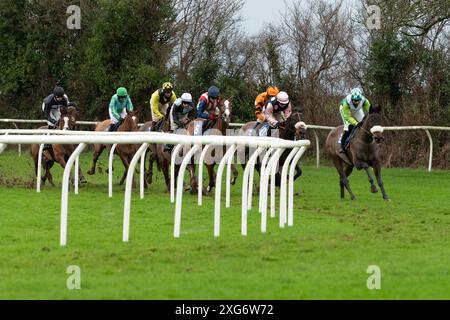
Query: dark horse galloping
x,y
59,153
362,151
292,129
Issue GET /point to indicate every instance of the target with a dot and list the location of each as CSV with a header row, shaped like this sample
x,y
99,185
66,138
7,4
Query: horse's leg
x,y
130,158
343,180
377,170
235,174
151,161
212,177
194,184
126,164
82,178
298,172
165,169
98,149
373,188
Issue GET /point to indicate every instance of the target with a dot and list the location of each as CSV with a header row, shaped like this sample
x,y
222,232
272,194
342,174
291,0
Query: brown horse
x,y
362,152
125,151
219,127
292,129
59,153
163,157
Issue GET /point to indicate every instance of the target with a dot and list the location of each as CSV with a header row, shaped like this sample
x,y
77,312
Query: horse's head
x,y
131,122
373,124
294,127
226,109
68,118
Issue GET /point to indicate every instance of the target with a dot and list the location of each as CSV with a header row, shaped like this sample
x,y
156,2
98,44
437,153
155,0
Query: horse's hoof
x,y
83,180
387,199
373,189
91,172
353,198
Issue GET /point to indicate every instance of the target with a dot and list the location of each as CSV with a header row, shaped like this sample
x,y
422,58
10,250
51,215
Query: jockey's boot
x,y
343,141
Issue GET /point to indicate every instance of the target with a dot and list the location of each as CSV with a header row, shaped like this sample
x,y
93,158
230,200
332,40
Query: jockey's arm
x,y
259,105
113,108
201,110
269,115
173,98
154,102
130,106
176,115
288,111
347,115
47,108
366,106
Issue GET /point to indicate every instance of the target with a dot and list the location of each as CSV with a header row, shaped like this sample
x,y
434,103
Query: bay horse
x,y
291,129
218,127
59,153
363,152
163,157
125,151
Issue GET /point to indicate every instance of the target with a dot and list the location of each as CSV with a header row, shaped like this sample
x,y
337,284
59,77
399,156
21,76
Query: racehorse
x,y
125,151
162,156
59,153
363,152
217,127
291,129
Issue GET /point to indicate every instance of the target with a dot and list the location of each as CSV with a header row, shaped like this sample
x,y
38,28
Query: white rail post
x,y
65,193
291,185
19,146
251,179
76,174
142,174
228,182
39,169
245,189
179,199
265,181
110,170
261,183
174,156
283,187
128,189
230,153
200,174
317,149
430,162
3,145
273,173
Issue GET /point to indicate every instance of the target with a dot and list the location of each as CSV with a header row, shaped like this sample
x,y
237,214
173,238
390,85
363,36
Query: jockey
x,y
160,102
353,110
52,106
118,107
277,110
261,101
181,112
208,106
